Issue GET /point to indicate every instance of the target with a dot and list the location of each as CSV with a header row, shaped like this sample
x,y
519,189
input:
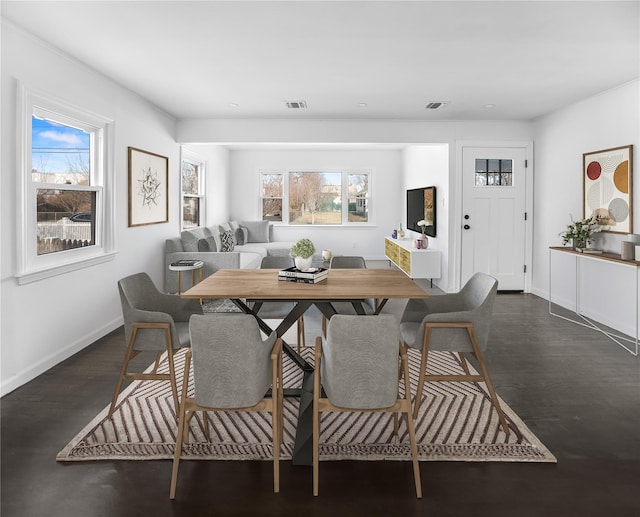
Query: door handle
x,y
466,226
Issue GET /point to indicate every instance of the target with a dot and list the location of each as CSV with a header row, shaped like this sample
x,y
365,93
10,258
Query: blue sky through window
x,y
58,148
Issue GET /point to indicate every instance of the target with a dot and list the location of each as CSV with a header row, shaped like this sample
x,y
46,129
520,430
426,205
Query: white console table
x,y
413,262
602,290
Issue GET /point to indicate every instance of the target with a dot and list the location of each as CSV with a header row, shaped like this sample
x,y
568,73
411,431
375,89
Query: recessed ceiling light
x,y
489,106
233,105
362,105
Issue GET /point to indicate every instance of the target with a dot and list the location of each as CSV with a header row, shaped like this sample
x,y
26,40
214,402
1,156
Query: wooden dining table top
x,y
341,284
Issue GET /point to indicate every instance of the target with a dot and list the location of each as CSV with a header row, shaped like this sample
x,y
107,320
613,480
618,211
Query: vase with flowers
x,y
424,241
580,233
302,253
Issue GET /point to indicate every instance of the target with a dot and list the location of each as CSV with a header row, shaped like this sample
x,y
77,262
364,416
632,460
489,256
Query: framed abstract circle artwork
x,y
607,188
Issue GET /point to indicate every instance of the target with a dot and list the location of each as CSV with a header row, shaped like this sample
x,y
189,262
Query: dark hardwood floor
x,y
578,391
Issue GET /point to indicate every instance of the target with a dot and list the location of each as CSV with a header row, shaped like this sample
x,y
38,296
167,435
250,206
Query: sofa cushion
x,y
242,235
228,241
190,240
207,244
250,260
253,247
258,230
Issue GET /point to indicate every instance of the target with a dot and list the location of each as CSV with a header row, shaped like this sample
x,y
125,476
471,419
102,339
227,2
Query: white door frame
x,y
455,254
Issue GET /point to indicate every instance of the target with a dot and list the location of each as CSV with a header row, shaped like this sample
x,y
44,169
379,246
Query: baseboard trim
x,y
24,376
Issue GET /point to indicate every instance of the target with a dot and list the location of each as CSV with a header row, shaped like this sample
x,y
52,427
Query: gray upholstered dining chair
x,y
280,310
457,322
233,369
153,321
348,262
356,365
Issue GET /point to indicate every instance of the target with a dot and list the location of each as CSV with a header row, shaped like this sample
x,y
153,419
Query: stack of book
x,y
187,263
589,251
308,276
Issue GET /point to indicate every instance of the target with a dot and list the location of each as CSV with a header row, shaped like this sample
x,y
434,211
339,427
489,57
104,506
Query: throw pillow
x,y
189,240
207,244
228,241
258,230
242,236
234,225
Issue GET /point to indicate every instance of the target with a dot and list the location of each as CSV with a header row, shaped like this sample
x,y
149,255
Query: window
x,y
272,192
65,188
192,190
316,198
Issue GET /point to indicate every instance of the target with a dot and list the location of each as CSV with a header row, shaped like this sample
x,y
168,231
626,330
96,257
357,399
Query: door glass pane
x,y
494,173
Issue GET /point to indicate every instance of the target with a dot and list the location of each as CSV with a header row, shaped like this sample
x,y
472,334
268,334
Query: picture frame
x,y
148,188
421,205
607,188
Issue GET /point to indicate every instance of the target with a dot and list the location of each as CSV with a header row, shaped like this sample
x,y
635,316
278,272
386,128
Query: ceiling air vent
x,y
296,105
436,105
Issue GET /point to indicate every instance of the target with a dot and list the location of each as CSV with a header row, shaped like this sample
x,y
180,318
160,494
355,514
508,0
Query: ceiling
x,y
505,60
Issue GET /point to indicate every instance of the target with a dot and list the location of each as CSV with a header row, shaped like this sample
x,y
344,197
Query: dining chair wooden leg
x,y
172,371
464,363
487,380
410,422
414,451
181,429
123,371
423,371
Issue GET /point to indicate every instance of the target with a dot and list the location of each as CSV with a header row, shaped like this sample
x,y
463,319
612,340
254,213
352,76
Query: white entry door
x,y
493,214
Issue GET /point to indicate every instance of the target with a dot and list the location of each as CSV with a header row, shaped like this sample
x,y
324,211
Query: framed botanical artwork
x,y
148,188
607,188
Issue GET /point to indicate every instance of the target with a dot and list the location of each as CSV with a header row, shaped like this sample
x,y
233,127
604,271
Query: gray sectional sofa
x,y
231,245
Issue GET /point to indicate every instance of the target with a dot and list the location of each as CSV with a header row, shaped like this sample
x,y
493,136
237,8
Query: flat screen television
x,y
421,205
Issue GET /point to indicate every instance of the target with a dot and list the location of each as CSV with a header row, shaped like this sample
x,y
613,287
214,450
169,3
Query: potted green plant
x,y
580,233
302,253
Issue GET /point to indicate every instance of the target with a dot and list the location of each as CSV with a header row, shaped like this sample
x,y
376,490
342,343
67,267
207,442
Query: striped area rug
x,y
456,423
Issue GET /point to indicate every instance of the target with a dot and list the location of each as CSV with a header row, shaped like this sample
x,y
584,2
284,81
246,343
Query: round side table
x,y
188,265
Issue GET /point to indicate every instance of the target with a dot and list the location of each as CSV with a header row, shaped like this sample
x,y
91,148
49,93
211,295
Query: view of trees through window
x,y
61,169
316,197
190,195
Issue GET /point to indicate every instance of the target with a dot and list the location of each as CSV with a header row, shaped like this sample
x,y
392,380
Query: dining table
x,y
249,288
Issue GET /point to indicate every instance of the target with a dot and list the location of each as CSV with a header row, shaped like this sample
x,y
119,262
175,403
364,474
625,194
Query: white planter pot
x,y
303,263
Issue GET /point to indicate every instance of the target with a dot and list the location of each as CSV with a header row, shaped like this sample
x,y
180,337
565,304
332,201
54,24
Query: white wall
x,y
367,241
46,321
424,166
216,181
610,119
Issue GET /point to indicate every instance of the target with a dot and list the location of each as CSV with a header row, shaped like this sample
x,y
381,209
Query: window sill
x,y
35,275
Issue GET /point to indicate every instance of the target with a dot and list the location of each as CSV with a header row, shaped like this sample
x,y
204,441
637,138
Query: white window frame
x,y
344,194
284,198
197,160
32,267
